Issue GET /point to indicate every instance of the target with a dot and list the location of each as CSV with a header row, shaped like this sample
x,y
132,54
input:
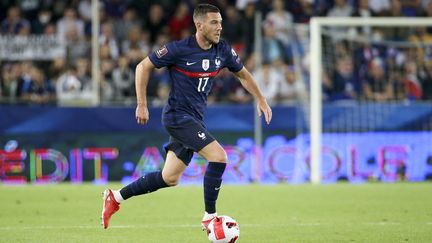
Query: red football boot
x,y
110,207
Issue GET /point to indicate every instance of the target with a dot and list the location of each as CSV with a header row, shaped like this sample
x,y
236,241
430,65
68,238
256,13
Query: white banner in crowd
x,y
34,47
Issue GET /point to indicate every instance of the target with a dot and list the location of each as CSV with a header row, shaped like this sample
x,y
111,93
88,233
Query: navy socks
x,y
146,184
154,181
212,184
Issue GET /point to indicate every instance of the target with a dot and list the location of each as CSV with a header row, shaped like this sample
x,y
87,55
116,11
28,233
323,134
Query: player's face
x,y
212,27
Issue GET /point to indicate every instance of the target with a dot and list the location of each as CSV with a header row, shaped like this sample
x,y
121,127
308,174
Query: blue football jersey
x,y
192,70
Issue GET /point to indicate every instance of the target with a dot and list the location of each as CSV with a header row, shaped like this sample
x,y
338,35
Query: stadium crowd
x,y
130,30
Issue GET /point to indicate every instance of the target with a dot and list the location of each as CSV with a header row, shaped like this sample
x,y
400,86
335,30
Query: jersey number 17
x,y
202,84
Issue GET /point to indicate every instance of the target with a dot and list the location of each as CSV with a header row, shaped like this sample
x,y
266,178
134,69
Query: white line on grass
x,y
383,223
50,227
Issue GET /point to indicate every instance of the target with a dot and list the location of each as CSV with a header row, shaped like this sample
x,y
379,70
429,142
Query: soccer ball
x,y
223,229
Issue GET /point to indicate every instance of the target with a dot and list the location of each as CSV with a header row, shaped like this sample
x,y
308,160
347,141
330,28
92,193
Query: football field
x,y
374,212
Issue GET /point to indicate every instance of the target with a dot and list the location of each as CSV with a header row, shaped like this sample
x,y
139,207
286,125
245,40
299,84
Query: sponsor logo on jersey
x,y
190,63
205,64
161,52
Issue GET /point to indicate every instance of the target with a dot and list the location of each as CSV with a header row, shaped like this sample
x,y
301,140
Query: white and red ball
x,y
223,229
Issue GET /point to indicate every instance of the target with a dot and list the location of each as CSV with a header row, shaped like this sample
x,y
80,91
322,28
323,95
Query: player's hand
x,y
142,114
263,107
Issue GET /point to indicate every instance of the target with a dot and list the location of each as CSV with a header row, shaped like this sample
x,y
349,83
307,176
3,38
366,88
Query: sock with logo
x,y
212,184
146,184
118,197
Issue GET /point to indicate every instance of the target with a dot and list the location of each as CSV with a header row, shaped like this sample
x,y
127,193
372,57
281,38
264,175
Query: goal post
x,y
316,68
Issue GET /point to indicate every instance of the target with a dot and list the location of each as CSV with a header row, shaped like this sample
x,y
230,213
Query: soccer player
x,y
192,63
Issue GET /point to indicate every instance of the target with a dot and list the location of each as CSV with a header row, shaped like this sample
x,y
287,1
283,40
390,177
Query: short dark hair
x,y
201,10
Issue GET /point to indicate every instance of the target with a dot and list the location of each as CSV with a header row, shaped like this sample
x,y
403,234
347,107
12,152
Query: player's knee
x,y
171,180
219,157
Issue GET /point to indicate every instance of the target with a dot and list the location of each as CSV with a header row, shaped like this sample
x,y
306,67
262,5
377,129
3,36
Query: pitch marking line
x,y
52,227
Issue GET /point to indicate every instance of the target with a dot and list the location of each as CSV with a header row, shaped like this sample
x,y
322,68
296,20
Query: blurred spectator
x,y
235,92
340,9
159,87
58,8
57,68
411,81
427,12
70,22
8,84
107,92
50,29
161,40
423,51
232,29
24,77
281,20
380,7
301,10
292,89
14,23
44,18
123,79
363,10
83,74
108,40
321,7
242,4
273,50
394,10
123,26
411,8
116,8
182,19
39,90
425,76
377,87
155,23
85,10
396,34
157,77
269,81
248,27
76,46
342,84
162,95
136,39
30,8
69,87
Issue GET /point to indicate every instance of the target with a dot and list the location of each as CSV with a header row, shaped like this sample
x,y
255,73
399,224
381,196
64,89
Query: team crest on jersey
x,y
217,62
161,52
205,64
233,52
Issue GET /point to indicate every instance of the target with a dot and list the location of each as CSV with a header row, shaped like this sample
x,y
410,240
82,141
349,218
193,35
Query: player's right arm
x,y
142,76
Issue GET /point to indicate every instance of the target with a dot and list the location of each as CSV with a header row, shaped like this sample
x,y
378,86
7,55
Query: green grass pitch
x,y
374,212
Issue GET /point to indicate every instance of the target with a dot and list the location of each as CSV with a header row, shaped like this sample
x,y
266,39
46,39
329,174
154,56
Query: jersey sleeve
x,y
233,62
164,56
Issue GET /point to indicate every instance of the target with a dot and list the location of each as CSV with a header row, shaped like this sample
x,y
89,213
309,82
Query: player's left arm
x,y
250,85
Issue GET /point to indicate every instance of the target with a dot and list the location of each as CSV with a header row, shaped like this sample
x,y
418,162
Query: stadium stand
x,y
132,29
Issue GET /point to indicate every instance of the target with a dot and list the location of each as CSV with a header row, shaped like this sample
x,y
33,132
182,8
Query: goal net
x,y
370,92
